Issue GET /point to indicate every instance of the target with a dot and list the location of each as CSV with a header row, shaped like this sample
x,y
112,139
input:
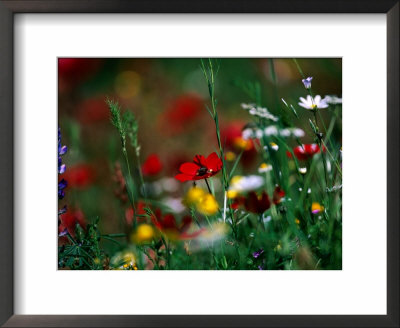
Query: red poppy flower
x,y
80,176
167,225
278,195
70,219
200,168
304,152
152,165
257,203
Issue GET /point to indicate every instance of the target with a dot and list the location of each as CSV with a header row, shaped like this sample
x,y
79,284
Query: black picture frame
x,y
7,172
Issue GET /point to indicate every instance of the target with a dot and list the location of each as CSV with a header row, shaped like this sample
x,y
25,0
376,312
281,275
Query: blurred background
x,y
168,97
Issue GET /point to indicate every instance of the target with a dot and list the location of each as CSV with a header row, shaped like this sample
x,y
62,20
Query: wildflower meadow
x,y
200,164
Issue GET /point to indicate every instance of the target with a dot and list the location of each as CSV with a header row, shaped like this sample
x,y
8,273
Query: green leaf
x,y
235,165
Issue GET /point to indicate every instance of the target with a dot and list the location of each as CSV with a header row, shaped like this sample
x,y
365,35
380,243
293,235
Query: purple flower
x,y
63,233
258,253
61,169
307,82
63,210
260,267
61,186
61,151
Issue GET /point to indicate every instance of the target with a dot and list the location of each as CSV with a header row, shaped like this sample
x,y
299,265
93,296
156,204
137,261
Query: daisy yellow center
x,y
313,106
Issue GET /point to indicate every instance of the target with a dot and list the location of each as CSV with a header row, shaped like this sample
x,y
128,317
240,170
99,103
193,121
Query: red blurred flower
x,y
231,135
129,213
118,177
304,152
152,165
72,71
93,110
167,225
278,195
182,111
260,203
200,168
70,219
80,175
77,68
257,203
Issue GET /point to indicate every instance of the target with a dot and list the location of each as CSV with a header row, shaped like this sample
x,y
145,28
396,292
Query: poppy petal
x,y
200,160
189,168
184,177
214,162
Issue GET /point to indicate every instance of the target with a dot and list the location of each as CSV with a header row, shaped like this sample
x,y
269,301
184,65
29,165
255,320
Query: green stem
x,y
208,186
130,180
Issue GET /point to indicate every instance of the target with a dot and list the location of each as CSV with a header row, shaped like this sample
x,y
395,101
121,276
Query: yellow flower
x,y
123,260
297,221
193,196
230,156
207,205
144,233
204,202
242,144
232,194
316,208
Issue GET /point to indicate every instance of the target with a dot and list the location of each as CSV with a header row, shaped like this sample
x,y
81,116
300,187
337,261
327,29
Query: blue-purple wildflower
x,y
61,168
61,151
307,82
258,253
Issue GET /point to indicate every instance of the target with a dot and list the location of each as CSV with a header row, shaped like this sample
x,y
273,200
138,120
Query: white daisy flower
x,y
247,134
307,82
303,170
285,133
271,130
246,183
259,111
264,167
313,103
267,219
274,146
333,100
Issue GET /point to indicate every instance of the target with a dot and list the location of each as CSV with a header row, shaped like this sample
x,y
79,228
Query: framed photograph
x,y
218,164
